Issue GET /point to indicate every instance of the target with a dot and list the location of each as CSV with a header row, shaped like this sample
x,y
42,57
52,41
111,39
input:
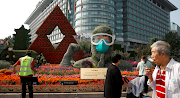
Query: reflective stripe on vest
x,y
25,68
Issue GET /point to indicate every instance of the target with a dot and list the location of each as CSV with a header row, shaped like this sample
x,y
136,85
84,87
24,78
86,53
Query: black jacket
x,y
114,82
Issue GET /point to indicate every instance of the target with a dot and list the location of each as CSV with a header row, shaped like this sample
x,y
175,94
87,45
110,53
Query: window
x,y
131,21
135,35
142,36
139,24
132,28
135,23
132,34
135,17
135,28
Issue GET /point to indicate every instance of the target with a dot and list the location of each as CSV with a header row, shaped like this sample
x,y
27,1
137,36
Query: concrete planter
x,y
54,88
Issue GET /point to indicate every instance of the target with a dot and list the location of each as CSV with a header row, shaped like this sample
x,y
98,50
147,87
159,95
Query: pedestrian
x,y
114,81
141,67
26,72
39,59
165,79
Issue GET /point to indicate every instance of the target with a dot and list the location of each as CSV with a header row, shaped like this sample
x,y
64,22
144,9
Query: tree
x,y
153,39
174,40
21,38
10,40
142,50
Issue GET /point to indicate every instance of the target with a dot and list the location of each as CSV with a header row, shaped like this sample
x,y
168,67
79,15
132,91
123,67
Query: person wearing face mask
x,y
141,67
7,54
102,41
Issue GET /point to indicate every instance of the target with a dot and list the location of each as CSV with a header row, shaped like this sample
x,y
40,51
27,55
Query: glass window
x,y
135,35
139,30
135,28
132,28
135,23
131,4
142,26
131,22
132,34
142,36
139,24
95,6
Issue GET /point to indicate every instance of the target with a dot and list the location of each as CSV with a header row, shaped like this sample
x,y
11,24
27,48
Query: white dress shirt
x,y
172,80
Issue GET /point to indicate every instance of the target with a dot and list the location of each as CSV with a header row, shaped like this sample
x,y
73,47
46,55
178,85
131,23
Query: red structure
x,y
43,45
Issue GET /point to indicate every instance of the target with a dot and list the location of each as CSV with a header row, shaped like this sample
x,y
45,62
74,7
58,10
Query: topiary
x,y
4,64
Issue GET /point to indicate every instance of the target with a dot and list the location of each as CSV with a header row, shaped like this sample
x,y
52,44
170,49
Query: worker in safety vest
x,y
26,72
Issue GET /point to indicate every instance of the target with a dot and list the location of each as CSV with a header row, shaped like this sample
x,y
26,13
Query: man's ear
x,y
163,53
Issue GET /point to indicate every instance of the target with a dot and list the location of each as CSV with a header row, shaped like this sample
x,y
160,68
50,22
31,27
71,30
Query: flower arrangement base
x,y
54,88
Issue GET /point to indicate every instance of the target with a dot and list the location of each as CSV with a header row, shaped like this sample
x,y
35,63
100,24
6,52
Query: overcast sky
x,y
15,12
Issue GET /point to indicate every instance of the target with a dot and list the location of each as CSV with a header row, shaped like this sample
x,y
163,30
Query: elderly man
x,y
165,80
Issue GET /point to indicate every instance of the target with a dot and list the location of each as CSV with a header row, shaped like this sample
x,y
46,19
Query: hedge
x,y
21,53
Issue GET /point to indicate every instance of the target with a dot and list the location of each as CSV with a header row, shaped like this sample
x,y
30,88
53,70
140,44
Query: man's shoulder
x,y
111,66
176,63
140,63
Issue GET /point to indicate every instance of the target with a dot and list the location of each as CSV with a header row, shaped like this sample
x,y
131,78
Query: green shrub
x,y
4,64
124,56
21,53
117,47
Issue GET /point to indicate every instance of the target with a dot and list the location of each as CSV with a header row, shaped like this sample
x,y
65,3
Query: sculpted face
x,y
106,38
157,58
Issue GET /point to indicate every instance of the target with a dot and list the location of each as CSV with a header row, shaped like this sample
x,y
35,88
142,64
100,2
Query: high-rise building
x,y
143,19
131,21
175,28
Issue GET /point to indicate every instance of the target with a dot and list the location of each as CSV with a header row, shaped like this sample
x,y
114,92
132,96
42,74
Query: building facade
x,y
133,22
175,28
144,19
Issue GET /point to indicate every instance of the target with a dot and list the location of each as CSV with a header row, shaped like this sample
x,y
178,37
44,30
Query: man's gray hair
x,y
162,46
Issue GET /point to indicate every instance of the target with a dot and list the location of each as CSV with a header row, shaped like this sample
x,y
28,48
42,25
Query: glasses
x,y
107,38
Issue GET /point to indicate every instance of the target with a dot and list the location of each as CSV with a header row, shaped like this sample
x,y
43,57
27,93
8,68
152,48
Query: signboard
x,y
69,82
93,73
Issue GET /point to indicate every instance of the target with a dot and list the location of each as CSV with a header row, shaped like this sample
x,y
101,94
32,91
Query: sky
x,y
14,13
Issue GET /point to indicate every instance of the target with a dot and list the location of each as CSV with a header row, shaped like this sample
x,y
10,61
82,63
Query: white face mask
x,y
143,62
10,49
1,42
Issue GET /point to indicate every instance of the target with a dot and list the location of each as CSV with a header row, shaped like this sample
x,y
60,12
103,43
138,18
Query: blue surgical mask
x,y
102,47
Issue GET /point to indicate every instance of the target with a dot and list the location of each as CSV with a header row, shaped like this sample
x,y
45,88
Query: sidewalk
x,y
63,95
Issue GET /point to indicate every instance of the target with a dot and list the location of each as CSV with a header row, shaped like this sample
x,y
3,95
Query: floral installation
x,y
87,64
53,74
134,63
124,56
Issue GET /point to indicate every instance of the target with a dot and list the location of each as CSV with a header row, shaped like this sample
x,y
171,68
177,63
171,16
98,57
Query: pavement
x,y
64,95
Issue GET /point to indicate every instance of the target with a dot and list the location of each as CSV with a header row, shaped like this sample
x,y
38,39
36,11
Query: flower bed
x,y
50,77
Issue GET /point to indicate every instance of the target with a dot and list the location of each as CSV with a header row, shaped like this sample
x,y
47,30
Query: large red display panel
x,y
43,45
